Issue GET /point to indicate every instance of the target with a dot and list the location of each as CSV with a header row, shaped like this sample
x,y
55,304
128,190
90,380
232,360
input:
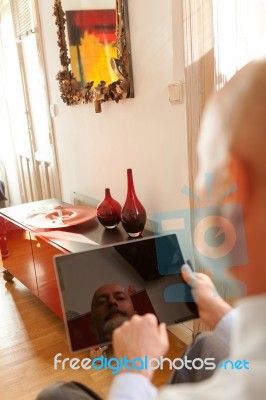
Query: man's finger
x,y
189,276
164,336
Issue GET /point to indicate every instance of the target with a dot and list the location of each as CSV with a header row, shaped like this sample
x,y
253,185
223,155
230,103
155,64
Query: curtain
x,y
239,35
199,77
220,37
199,70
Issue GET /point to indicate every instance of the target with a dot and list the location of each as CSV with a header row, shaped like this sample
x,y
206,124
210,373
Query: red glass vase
x,y
109,211
133,215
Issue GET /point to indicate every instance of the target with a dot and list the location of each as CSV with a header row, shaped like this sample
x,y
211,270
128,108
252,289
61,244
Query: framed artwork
x,y
92,39
94,51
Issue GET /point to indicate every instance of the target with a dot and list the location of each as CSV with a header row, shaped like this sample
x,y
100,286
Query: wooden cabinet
x,y
28,255
43,253
30,260
19,261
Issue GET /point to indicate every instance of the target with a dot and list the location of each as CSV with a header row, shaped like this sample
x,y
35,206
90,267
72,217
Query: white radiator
x,y
79,199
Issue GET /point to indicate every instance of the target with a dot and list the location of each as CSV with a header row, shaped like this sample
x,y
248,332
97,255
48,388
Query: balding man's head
x,y
232,146
111,306
234,122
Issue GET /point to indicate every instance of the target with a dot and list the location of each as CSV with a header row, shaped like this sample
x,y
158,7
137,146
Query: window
x,y
27,99
239,35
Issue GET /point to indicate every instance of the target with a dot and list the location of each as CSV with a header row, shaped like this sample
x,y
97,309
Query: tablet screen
x,y
103,287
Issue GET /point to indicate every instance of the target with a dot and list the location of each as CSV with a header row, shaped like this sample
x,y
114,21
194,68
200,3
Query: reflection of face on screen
x,y
94,288
111,306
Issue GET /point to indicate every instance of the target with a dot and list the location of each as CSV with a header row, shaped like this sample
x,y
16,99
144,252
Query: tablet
x,y
102,287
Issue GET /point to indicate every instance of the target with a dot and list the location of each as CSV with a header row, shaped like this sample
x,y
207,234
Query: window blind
x,y
22,17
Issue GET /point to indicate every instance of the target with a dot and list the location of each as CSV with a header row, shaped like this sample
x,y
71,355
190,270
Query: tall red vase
x,y
109,211
133,215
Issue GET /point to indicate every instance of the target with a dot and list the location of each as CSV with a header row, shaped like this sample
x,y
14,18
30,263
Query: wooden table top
x,y
92,229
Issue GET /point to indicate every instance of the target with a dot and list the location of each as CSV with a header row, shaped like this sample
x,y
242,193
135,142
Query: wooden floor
x,y
30,336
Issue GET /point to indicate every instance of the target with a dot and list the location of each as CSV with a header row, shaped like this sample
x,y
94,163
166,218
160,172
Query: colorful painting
x,y
91,36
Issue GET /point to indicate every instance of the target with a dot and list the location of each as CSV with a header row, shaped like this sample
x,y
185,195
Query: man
x,y
218,315
110,307
213,310
232,146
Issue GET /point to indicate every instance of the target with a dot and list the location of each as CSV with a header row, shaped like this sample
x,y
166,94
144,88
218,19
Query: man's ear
x,y
239,174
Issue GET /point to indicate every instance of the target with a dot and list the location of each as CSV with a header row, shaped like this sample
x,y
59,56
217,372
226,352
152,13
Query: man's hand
x,y
140,337
211,306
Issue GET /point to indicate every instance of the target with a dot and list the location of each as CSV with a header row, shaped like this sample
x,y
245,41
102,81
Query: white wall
x,y
146,133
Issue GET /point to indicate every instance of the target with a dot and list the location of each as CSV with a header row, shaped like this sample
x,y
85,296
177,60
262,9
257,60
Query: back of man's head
x,y
232,146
